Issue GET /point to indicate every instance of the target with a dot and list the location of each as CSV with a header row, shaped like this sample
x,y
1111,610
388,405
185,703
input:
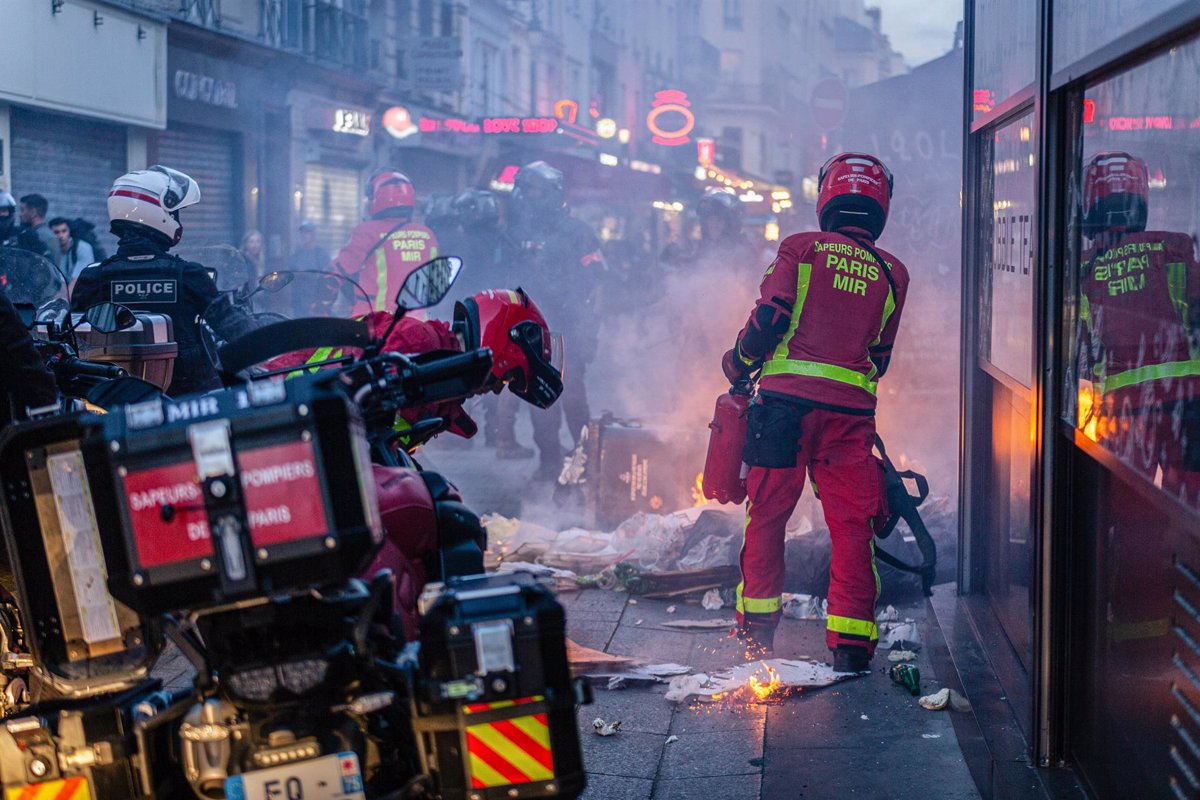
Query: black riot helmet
x,y
478,210
719,205
539,194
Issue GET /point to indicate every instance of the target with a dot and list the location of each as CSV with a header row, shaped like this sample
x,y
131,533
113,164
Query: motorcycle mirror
x,y
109,317
429,283
275,281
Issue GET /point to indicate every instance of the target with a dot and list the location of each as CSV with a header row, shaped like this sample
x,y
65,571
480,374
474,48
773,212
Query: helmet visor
x,y
544,353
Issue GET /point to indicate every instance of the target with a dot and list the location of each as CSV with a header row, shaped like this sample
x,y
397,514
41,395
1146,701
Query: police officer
x,y
558,257
478,215
143,208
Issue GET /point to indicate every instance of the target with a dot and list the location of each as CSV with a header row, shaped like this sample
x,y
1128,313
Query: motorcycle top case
x,y
83,641
101,747
261,489
494,703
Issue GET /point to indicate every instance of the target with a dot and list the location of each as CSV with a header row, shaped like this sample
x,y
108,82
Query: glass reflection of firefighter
x,y
1140,314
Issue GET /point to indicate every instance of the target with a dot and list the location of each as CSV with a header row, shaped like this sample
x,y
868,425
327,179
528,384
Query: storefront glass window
x,y
1005,50
1084,26
1006,311
1134,289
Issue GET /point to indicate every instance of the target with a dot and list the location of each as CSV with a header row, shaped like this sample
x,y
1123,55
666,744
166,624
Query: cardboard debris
x,y
700,624
789,673
712,600
602,728
945,698
585,660
564,579
640,675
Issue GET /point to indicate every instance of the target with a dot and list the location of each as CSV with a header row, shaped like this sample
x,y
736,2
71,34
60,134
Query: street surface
x,y
864,737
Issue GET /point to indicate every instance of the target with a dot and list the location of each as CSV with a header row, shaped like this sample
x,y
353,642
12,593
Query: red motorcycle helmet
x,y
525,355
1116,188
854,190
390,194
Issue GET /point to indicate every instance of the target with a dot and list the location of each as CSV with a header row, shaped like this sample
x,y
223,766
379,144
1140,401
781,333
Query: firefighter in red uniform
x,y
386,247
1139,306
821,333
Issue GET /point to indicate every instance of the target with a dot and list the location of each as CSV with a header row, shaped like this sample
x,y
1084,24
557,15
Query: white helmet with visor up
x,y
153,197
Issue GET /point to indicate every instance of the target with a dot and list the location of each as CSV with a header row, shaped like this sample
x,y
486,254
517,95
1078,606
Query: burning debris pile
x,y
770,680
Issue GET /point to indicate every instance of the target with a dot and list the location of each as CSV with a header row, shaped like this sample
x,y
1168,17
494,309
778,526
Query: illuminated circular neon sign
x,y
670,101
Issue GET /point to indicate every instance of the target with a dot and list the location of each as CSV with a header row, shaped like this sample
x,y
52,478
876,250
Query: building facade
x,y
1080,496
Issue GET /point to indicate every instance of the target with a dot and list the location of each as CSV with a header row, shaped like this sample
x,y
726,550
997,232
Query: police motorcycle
x,y
75,660
244,517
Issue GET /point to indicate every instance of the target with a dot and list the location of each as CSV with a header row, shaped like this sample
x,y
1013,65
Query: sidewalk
x,y
864,737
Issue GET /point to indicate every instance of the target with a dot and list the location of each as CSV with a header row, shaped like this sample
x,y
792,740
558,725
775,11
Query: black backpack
x,y
84,231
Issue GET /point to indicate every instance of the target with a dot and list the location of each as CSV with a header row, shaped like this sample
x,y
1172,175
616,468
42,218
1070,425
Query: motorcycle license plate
x,y
66,789
327,778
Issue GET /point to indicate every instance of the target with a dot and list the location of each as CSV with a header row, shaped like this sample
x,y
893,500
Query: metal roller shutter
x,y
212,159
333,202
71,161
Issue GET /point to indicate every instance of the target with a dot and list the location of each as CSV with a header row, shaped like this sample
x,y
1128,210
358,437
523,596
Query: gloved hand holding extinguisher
x,y
724,472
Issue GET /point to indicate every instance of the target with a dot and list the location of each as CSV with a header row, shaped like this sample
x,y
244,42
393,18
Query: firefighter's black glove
x,y
734,368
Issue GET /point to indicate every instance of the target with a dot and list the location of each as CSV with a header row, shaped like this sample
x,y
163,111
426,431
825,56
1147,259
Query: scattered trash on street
x,y
803,606
700,624
945,698
670,609
754,681
931,736
863,716
908,676
712,600
672,739
901,636
897,656
602,728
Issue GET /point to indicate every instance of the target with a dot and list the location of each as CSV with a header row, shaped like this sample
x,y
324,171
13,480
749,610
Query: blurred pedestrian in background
x,y
33,217
310,254
252,249
71,254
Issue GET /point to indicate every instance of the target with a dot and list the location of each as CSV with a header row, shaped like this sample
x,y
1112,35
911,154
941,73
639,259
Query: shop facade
x,y
1080,481
66,137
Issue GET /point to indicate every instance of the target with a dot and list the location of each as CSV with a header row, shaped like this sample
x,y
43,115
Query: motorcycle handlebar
x,y
70,368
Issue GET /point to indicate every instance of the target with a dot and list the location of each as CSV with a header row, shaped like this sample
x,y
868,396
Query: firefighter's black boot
x,y
757,635
848,658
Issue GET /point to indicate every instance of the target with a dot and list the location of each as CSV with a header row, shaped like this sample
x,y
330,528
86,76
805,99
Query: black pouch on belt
x,y
1191,433
773,433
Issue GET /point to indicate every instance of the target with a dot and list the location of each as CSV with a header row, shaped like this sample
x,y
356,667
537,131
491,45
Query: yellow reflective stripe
x,y
1151,372
853,627
757,605
381,278
815,369
1177,289
318,355
803,279
875,571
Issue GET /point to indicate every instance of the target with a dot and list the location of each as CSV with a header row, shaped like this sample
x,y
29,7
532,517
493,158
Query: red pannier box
x,y
257,490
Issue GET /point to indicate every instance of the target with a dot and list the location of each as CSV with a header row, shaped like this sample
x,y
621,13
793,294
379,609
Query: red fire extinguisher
x,y
723,478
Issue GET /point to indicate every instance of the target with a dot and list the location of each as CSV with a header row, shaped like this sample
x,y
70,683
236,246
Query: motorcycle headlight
x,y
261,683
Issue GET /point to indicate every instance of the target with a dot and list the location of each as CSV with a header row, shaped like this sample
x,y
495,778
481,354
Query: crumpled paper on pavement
x,y
901,636
945,698
602,728
712,600
804,606
792,674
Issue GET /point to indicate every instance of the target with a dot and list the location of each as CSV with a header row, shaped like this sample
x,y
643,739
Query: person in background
x,y
72,254
559,257
14,235
388,245
310,254
33,217
252,249
25,382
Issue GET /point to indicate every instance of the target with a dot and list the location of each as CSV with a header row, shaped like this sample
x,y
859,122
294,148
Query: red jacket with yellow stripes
x,y
1140,309
380,255
826,320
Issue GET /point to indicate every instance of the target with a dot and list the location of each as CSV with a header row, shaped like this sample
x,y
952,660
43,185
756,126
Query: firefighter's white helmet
x,y
153,197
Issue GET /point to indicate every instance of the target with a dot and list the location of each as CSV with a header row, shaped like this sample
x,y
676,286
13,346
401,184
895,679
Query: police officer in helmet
x,y
143,208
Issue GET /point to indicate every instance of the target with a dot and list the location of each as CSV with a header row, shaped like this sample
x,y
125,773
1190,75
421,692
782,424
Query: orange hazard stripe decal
x,y
65,789
510,751
479,708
